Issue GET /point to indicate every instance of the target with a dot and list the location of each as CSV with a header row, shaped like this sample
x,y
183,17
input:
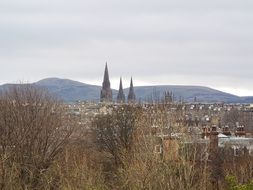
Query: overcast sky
x,y
189,42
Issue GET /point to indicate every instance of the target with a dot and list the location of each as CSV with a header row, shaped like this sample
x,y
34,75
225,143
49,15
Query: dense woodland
x,y
42,147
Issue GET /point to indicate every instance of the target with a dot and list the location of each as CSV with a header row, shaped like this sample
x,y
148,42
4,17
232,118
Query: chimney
x,y
240,132
226,131
205,132
214,139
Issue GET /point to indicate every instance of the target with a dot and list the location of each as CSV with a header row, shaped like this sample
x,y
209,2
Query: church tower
x,y
121,96
131,96
106,92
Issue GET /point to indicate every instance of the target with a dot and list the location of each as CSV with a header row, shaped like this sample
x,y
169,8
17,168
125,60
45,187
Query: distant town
x,y
218,135
190,145
232,122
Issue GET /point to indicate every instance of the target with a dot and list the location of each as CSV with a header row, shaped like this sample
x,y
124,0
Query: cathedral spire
x,y
121,95
106,92
131,95
106,82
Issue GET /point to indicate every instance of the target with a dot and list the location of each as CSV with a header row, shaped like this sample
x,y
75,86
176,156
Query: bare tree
x,y
115,132
33,131
231,118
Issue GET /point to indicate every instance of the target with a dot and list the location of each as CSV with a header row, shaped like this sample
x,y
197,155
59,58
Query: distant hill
x,y
70,91
67,90
247,99
188,93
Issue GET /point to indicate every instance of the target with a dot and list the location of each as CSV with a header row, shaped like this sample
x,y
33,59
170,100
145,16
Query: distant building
x,y
168,97
121,96
106,92
131,95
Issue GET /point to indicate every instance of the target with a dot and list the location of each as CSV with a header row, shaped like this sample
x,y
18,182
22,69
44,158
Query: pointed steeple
x,y
121,95
131,96
106,82
106,92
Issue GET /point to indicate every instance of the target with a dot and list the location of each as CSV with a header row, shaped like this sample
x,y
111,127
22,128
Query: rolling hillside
x,y
70,91
187,93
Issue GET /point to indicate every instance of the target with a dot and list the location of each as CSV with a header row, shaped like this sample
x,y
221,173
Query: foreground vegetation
x,y
42,147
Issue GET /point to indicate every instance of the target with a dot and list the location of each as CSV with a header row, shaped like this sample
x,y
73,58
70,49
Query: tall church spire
x,y
106,92
106,82
131,96
121,95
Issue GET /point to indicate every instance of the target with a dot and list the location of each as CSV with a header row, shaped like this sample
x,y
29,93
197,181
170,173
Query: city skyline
x,y
163,43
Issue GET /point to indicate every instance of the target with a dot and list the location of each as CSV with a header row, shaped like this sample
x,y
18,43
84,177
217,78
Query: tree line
x,y
43,147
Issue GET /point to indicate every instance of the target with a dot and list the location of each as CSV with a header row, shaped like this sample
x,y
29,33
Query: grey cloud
x,y
156,41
